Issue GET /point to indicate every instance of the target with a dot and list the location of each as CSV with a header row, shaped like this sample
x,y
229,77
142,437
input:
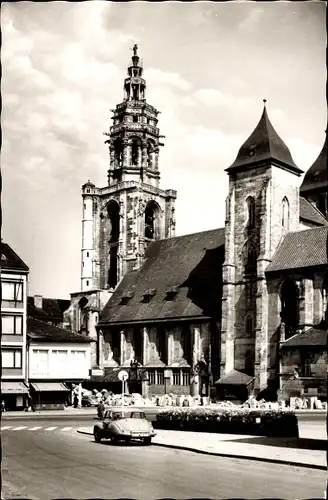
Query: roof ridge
x,y
190,234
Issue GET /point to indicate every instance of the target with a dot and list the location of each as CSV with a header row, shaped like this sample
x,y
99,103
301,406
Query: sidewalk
x,y
292,451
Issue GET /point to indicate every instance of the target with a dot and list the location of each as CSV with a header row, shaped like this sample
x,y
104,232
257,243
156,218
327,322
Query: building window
x,y
186,342
151,377
285,213
150,220
12,325
135,119
87,254
249,324
11,358
12,291
176,377
160,377
289,306
250,212
185,378
325,298
306,368
87,282
250,257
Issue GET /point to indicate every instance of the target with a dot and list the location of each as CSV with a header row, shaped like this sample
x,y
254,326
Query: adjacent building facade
x,y
57,358
216,309
14,276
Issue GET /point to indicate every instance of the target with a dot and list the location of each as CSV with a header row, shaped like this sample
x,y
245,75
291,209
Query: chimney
x,y
38,301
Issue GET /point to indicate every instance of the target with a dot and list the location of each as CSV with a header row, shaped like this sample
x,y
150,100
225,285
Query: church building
x,y
234,310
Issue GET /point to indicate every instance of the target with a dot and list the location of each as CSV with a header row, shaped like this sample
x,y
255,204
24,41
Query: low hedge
x,y
258,422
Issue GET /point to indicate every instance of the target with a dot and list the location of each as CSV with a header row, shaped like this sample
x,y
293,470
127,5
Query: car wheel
x,y
97,435
147,441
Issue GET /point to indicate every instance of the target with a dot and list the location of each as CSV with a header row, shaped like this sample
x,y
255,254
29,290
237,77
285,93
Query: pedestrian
x,y
76,401
3,405
101,410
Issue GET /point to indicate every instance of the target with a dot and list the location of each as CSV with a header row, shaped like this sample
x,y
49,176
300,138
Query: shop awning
x,y
13,388
235,377
49,387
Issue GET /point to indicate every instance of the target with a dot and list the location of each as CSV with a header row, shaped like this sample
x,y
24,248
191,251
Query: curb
x,y
229,455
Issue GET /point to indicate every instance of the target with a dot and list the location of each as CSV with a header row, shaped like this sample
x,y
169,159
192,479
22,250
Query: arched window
x,y
118,149
113,232
285,213
137,344
250,202
250,257
289,306
150,220
83,315
150,154
161,344
135,151
186,344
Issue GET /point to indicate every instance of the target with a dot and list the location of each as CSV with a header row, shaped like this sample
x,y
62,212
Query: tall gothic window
x,y
249,324
250,257
150,154
135,151
289,306
118,148
113,213
250,202
83,315
137,344
150,220
161,344
186,344
285,213
249,362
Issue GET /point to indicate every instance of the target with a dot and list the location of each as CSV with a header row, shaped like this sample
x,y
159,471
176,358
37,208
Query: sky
x,y
208,66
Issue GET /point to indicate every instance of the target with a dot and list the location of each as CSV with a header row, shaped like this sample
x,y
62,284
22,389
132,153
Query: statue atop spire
x,y
135,49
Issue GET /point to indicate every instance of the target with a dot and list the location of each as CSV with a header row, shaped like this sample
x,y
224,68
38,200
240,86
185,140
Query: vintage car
x,y
124,425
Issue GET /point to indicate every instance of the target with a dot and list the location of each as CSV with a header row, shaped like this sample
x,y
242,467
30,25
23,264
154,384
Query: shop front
x,y
49,395
14,395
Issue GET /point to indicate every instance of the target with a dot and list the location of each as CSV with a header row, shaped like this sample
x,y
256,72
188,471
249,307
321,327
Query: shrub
x,y
259,422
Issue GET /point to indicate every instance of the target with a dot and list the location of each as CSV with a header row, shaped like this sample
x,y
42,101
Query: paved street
x,y
49,459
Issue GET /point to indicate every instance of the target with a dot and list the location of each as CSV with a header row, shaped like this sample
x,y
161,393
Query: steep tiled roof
x,y
40,330
191,263
309,213
316,336
301,249
262,145
10,259
317,175
52,309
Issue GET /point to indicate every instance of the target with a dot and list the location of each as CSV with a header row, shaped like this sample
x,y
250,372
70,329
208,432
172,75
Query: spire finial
x,y
264,100
135,49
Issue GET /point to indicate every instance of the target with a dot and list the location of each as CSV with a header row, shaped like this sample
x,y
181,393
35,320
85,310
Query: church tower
x,y
262,205
315,183
121,219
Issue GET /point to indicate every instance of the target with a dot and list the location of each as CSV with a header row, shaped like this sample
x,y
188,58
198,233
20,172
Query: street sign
x,y
123,375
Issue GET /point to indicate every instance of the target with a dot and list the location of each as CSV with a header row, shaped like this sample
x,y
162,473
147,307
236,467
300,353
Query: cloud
x,y
251,20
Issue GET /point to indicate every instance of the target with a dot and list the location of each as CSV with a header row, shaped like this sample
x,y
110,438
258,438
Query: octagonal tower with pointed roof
x,y
315,183
262,205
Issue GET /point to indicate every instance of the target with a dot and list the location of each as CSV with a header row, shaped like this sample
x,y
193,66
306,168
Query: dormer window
x,y
135,119
127,297
148,295
251,150
171,293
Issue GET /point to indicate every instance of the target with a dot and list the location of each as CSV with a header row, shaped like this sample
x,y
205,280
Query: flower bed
x,y
258,422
